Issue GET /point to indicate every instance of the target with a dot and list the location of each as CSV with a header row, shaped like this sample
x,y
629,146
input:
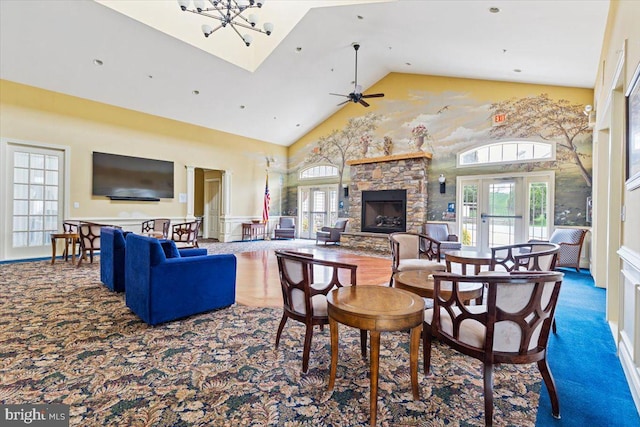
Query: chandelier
x,y
228,12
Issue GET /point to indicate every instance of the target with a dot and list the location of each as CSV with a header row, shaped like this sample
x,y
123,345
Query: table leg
x,y
333,326
74,241
413,360
53,249
375,359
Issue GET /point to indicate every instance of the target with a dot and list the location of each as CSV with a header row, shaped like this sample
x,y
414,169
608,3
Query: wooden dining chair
x,y
160,225
89,240
69,226
304,293
511,328
185,234
524,257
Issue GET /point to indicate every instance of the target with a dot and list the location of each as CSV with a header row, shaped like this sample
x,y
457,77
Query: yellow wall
x,y
40,116
623,27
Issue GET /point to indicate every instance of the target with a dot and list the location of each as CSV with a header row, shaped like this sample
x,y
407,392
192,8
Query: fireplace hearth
x,y
384,211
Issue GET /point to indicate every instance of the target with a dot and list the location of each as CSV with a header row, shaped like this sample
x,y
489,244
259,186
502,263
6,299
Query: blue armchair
x,y
112,258
112,255
161,289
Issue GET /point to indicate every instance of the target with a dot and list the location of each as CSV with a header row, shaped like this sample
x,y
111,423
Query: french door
x,y
34,205
317,207
504,209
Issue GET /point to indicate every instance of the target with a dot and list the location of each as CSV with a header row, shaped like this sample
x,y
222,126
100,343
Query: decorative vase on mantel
x,y
419,142
387,146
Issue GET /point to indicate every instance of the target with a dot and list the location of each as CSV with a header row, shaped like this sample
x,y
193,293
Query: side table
x,y
69,238
376,309
252,230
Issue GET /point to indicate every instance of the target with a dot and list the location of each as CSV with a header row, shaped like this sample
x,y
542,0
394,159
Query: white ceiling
x,y
51,44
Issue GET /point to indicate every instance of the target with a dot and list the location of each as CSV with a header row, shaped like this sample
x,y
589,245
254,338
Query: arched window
x,y
507,152
321,171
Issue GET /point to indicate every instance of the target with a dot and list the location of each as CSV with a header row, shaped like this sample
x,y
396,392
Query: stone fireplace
x,y
386,194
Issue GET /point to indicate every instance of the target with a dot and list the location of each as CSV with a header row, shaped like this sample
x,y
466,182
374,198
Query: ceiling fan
x,y
357,96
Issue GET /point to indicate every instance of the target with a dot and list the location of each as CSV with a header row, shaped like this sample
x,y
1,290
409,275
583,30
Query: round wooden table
x,y
466,258
421,282
376,309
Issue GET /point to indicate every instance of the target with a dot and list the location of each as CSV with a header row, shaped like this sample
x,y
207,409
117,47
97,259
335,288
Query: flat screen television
x,y
131,178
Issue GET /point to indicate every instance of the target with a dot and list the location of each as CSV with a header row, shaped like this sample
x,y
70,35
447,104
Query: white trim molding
x,y
628,336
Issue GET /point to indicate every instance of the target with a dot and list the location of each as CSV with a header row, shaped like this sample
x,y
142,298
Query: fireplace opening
x,y
384,211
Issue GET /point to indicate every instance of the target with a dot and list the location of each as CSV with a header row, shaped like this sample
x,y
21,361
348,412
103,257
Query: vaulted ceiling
x,y
154,57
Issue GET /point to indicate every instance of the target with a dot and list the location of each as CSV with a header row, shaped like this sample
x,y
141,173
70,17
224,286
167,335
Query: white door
x,y
504,209
34,207
317,207
212,208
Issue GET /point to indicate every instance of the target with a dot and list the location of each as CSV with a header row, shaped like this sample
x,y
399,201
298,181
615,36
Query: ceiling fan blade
x,y
374,95
339,94
363,102
342,103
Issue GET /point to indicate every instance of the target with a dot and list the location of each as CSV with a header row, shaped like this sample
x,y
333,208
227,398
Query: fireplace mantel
x,y
394,157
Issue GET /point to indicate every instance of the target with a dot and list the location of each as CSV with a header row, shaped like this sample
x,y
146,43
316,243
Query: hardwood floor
x,y
258,284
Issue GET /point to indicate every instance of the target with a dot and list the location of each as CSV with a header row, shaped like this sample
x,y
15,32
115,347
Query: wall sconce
x,y
443,186
590,113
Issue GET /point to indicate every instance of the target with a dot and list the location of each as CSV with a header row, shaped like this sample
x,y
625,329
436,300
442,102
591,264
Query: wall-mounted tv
x,y
131,178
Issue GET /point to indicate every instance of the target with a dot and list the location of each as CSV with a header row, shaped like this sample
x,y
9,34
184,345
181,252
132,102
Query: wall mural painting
x,y
448,123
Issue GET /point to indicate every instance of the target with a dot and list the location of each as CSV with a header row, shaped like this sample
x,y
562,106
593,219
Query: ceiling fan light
x,y
268,28
259,3
207,30
253,19
247,39
243,4
358,89
199,4
184,4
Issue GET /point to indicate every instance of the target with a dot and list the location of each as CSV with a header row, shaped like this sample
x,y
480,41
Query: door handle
x,y
484,216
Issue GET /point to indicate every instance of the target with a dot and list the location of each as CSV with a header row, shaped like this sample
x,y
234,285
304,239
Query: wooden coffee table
x,y
376,309
421,282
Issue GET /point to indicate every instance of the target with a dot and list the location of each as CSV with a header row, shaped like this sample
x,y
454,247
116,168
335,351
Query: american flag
x,y
267,199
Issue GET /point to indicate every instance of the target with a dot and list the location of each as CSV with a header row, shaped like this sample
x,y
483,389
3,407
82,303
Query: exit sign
x,y
499,119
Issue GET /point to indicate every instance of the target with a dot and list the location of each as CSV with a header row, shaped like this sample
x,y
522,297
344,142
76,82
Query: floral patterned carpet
x,y
65,338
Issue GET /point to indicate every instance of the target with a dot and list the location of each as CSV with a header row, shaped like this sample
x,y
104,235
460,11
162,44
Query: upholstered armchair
x,y
286,228
511,328
570,241
332,234
112,256
440,232
413,251
160,288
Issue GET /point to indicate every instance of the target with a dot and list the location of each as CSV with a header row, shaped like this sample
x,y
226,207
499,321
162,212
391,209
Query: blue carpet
x,y
592,388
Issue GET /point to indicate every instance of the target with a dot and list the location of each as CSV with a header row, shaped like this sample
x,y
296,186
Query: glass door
x,y
35,208
318,207
502,210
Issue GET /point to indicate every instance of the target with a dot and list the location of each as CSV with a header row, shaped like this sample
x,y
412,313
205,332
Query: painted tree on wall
x,y
542,117
342,145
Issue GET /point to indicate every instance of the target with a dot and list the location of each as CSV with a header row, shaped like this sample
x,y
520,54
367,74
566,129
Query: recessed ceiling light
x,y
150,76
297,125
242,107
407,64
494,9
517,70
299,49
196,92
360,16
98,62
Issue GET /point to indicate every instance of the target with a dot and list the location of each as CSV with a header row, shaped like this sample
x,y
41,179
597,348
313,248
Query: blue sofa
x,y
160,288
112,254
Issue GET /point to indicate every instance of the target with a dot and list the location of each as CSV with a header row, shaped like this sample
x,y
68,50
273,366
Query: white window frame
x,y
309,178
551,144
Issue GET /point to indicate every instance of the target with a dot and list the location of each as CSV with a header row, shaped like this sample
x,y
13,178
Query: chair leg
x,y
280,328
307,348
488,395
363,343
543,366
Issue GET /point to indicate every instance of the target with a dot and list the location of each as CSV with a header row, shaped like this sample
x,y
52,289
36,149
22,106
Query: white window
x,y
507,152
321,171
